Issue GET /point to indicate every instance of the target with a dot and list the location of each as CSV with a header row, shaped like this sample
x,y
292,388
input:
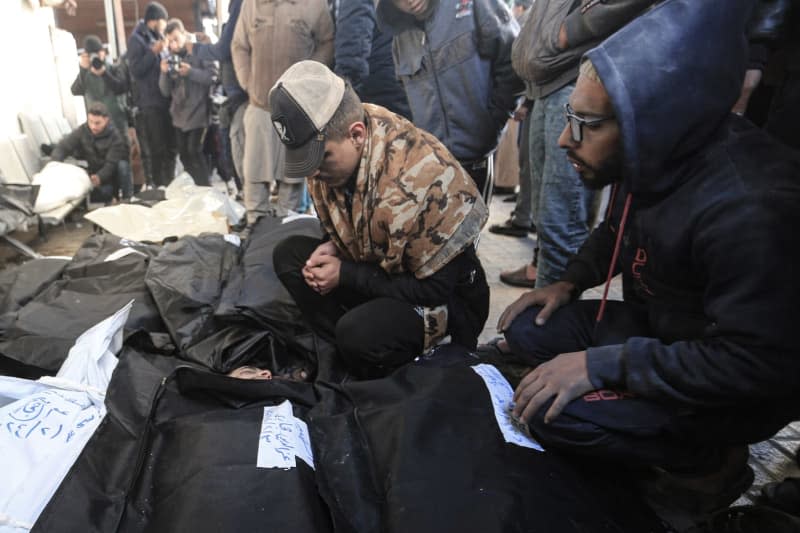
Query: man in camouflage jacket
x,y
397,271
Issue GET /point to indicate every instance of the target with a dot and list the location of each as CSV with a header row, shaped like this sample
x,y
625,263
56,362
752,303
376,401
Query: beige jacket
x,y
272,35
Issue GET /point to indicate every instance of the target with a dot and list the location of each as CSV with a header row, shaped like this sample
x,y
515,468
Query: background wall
x,y
36,75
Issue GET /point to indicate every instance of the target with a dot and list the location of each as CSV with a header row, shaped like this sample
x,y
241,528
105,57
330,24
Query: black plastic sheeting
x,y
177,452
88,290
421,451
16,206
225,307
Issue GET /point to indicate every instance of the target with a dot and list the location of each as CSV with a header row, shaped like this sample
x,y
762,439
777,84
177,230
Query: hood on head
x,y
673,75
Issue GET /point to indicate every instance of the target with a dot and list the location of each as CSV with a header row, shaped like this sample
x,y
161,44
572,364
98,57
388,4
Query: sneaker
x,y
702,494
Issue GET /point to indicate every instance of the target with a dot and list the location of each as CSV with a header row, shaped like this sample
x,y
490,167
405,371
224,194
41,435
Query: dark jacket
x,y
537,58
144,67
190,102
709,253
456,70
363,55
107,89
221,51
102,152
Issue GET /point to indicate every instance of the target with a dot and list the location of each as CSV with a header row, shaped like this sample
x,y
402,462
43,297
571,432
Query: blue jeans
x,y
121,184
562,206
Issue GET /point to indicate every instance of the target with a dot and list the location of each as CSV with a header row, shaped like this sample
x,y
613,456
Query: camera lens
x,y
97,63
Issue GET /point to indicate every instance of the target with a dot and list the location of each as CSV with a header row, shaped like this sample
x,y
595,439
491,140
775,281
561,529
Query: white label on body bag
x,y
283,437
502,395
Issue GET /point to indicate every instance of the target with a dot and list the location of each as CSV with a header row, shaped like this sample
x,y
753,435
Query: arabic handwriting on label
x,y
501,393
47,416
282,438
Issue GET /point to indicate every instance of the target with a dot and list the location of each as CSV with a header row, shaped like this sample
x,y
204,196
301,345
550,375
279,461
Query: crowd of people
x,y
387,117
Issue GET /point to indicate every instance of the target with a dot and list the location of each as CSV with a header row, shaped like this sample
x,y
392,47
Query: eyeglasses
x,y
577,122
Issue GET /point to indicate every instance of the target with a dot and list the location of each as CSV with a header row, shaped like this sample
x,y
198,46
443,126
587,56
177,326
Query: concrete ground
x,y
771,460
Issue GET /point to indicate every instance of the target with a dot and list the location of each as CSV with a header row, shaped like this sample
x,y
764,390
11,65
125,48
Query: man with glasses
x,y
701,358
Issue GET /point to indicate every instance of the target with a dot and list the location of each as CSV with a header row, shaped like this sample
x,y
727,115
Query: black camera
x,y
173,64
96,61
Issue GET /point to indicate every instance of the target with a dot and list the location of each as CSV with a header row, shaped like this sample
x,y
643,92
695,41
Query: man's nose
x,y
565,139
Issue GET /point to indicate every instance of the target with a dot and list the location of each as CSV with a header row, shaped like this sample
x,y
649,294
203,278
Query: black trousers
x,y
616,425
160,140
372,335
190,148
482,173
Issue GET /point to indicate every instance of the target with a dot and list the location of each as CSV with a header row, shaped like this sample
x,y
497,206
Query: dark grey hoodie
x,y
709,252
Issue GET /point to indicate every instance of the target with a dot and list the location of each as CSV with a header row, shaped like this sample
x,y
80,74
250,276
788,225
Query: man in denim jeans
x,y
564,210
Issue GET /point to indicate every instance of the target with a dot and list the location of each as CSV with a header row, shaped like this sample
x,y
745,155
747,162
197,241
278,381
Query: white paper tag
x,y
502,394
283,437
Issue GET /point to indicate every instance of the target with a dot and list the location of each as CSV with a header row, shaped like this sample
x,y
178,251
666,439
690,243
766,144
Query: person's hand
x,y
98,71
326,248
164,66
83,61
562,37
324,276
521,112
564,377
95,180
184,68
158,46
551,298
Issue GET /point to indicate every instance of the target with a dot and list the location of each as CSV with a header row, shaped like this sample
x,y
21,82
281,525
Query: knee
x,y
291,253
355,345
523,333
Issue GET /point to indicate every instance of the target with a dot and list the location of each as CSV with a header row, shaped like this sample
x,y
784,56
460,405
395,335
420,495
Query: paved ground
x,y
771,460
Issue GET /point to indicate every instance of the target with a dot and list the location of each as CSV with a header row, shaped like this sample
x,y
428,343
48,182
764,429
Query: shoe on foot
x,y
512,230
701,494
520,277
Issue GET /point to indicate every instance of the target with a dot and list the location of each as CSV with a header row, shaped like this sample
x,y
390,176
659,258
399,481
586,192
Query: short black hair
x,y
174,24
98,109
350,110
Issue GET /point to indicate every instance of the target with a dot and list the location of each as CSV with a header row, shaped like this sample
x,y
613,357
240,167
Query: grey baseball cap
x,y
302,103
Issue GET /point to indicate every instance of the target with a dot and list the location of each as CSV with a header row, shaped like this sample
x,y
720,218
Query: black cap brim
x,y
303,161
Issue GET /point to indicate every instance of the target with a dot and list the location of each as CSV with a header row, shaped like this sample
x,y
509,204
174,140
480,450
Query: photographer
x,y
102,147
187,79
100,81
146,48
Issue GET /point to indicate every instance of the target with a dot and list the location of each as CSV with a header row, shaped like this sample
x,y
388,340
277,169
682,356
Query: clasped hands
x,y
321,271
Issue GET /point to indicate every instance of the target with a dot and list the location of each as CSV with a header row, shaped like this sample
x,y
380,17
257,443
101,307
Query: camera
x,y
173,64
96,61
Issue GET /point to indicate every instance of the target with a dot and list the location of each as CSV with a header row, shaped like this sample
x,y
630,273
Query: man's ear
x,y
358,132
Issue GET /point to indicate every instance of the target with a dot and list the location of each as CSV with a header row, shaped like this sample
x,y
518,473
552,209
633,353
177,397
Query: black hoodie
x,y
709,252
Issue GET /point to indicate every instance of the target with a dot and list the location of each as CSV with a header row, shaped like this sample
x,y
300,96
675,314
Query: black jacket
x,y
709,252
101,152
363,55
145,67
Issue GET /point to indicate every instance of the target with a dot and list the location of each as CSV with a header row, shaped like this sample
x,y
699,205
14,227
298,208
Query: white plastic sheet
x,y
188,210
45,424
60,183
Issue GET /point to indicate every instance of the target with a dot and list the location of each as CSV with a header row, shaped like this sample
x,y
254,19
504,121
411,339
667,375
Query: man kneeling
x,y
702,357
397,271
105,151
